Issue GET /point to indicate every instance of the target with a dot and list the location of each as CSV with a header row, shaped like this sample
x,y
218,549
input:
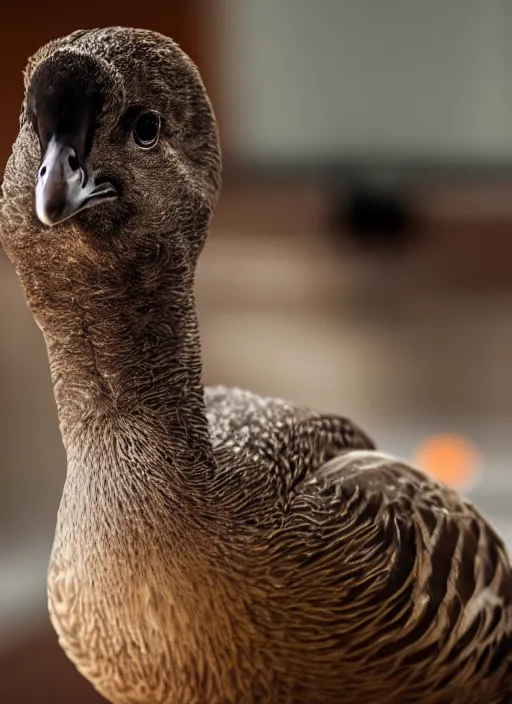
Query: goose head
x,y
117,152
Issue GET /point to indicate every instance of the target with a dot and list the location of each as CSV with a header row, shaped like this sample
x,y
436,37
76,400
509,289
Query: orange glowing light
x,y
448,458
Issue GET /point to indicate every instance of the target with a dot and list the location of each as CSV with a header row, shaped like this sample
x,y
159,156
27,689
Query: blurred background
x,y
360,260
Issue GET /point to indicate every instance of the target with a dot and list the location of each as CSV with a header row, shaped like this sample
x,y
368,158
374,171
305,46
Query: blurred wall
x,y
315,80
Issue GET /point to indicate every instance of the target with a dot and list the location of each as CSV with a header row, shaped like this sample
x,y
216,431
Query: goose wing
x,y
426,583
276,436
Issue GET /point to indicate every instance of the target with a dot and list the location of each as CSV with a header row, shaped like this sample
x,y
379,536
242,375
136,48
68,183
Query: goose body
x,y
213,546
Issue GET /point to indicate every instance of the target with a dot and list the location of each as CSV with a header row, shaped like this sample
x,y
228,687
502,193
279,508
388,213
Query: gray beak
x,y
64,188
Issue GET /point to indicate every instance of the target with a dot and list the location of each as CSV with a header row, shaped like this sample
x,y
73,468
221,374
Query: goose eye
x,y
147,130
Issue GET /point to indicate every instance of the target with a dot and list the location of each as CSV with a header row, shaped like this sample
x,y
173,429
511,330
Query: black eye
x,y
146,130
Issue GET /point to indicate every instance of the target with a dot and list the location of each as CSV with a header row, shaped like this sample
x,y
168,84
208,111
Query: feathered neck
x,y
122,335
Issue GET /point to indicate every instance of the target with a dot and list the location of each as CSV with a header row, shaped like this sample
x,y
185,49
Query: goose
x,y
213,546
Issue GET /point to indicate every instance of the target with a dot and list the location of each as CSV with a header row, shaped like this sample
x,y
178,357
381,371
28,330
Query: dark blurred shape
x,y
374,216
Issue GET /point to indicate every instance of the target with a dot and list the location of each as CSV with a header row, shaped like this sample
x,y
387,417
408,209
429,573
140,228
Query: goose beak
x,y
64,188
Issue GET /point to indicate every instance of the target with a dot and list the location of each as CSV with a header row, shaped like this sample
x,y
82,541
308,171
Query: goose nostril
x,y
73,162
42,171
